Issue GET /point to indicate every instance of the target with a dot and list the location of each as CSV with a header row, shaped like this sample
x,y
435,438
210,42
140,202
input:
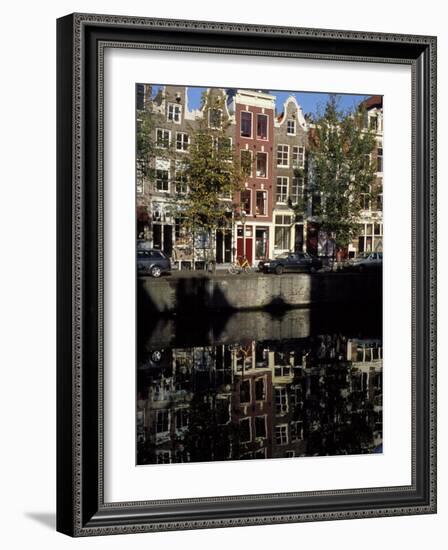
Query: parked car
x,y
365,261
152,262
291,262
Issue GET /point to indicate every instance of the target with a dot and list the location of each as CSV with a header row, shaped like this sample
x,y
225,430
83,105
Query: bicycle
x,y
241,265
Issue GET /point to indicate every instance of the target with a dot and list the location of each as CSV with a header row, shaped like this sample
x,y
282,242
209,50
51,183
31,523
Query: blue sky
x,y
311,102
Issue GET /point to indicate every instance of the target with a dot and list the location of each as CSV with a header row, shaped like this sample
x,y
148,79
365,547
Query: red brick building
x,y
254,113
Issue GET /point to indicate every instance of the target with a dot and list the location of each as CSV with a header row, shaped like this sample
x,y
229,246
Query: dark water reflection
x,y
251,390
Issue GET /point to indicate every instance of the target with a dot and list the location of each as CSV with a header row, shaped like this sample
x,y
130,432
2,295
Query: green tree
x,y
213,173
341,172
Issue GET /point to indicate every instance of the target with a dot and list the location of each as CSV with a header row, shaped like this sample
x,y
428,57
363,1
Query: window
x,y
246,124
379,202
163,457
282,370
215,118
281,434
365,201
181,180
298,156
245,200
296,430
260,389
162,180
245,391
262,165
379,159
182,141
297,189
174,112
224,146
373,124
282,232
291,127
260,426
290,454
246,162
261,203
282,189
162,175
245,431
282,155
281,400
262,127
162,138
162,421
181,419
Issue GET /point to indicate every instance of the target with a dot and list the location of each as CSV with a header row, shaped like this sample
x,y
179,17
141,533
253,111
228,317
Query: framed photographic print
x,y
246,274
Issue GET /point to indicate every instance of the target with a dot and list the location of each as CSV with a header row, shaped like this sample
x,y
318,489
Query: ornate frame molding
x,y
81,42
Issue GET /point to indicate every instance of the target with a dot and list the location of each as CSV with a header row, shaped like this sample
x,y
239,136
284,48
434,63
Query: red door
x,y
248,246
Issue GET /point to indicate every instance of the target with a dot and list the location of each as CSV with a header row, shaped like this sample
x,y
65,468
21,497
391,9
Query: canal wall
x,y
245,292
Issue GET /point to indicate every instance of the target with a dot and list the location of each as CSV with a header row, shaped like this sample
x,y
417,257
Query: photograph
x,y
258,263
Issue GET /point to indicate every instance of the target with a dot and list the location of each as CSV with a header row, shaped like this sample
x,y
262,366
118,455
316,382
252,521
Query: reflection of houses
x,y
258,400
288,424
252,400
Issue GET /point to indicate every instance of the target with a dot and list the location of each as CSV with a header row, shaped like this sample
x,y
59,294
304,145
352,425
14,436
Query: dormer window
x,y
291,127
174,112
215,118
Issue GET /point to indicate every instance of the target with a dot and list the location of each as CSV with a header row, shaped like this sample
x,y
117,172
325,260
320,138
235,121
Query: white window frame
x,y
281,429
285,193
209,122
183,149
280,155
246,189
378,156
260,378
300,189
167,412
283,402
251,124
297,423
283,225
267,165
266,203
245,151
258,437
267,127
298,152
173,119
162,145
287,127
178,167
247,419
183,426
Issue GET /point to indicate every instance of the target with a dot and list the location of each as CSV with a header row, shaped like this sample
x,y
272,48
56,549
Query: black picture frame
x,y
81,510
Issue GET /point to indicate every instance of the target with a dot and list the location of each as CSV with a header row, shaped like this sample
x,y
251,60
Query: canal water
x,y
260,385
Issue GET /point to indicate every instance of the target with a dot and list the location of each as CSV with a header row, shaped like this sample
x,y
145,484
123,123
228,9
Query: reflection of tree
x,y
207,439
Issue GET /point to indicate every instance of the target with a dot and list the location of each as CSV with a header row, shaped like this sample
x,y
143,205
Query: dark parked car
x,y
366,261
291,262
152,262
